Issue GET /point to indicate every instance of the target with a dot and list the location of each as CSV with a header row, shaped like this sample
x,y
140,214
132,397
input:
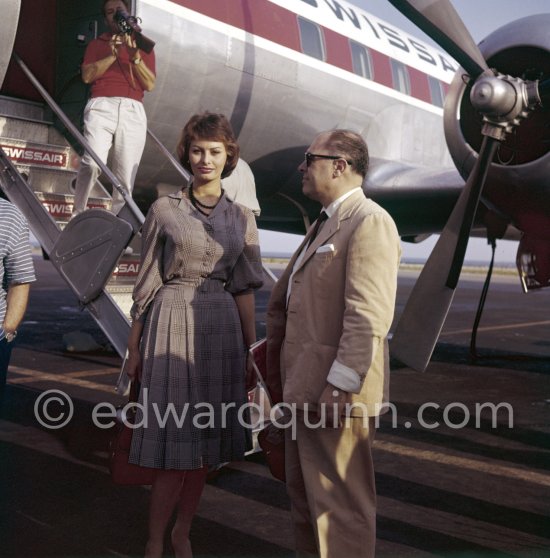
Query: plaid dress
x,y
192,346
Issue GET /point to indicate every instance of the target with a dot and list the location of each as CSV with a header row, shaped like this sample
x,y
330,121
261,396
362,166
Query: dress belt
x,y
204,284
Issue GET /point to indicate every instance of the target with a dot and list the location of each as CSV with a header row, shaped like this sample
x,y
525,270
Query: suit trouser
x,y
118,122
330,481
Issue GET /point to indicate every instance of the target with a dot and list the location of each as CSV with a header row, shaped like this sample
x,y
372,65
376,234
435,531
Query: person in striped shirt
x,y
16,274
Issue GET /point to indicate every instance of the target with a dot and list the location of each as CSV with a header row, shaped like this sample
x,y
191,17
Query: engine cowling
x,y
518,185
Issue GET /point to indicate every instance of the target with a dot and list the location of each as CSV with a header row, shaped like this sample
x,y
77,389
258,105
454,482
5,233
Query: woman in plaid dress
x,y
192,321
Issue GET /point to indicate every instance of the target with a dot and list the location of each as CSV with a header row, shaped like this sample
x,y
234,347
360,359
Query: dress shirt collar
x,y
331,209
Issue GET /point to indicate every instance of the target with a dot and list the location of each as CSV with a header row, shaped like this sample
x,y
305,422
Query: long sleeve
x,y
371,281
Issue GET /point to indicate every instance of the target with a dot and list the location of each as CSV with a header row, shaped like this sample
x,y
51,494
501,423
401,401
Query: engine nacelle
x,y
518,184
521,48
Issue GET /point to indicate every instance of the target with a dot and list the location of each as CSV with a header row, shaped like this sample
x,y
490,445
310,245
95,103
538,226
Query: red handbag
x,y
123,472
271,439
272,442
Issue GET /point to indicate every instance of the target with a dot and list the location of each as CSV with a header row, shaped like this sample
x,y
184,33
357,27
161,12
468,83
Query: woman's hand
x,y
133,361
133,365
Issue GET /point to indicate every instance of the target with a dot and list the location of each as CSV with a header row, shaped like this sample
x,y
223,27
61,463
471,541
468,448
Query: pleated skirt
x,y
192,405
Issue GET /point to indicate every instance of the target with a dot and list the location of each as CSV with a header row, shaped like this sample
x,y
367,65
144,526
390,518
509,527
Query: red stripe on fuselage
x,y
420,88
338,50
279,25
260,17
382,68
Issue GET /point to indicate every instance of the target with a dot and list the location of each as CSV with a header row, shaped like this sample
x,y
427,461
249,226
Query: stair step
x,y
51,170
18,108
24,130
60,206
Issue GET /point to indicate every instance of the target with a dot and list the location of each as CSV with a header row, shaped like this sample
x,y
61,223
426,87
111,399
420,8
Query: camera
x,y
126,23
129,25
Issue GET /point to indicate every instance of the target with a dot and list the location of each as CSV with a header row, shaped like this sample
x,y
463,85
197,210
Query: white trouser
x,y
116,121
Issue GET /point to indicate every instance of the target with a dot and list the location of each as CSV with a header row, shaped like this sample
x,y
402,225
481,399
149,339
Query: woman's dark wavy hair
x,y
352,146
212,127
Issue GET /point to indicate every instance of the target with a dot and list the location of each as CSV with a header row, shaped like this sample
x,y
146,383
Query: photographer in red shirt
x,y
120,73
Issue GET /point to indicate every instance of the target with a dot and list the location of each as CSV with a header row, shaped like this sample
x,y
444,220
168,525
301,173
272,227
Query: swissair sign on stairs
x,y
25,153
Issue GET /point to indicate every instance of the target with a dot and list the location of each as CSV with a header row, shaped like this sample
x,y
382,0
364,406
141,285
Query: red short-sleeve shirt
x,y
117,80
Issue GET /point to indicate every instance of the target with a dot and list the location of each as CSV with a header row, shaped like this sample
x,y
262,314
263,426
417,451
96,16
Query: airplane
x,y
283,70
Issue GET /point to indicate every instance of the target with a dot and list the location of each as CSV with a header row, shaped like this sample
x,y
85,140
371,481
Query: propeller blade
x,y
420,324
439,20
477,180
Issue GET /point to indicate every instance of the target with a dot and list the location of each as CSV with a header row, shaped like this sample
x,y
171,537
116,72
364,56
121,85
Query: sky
x,y
481,17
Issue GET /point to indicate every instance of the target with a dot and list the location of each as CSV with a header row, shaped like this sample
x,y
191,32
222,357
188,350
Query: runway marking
x,y
272,524
90,373
248,467
263,521
459,524
491,468
267,523
80,374
33,519
43,442
35,375
497,328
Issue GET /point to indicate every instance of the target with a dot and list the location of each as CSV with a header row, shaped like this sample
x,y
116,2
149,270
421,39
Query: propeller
x,y
504,102
418,329
439,20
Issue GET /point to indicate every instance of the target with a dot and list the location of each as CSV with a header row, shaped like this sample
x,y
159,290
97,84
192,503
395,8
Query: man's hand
x,y
131,47
115,42
332,405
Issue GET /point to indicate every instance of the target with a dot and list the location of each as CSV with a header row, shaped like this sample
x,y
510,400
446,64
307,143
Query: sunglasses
x,y
309,157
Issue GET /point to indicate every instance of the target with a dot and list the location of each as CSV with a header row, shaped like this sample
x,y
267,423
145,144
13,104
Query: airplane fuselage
x,y
283,70
246,59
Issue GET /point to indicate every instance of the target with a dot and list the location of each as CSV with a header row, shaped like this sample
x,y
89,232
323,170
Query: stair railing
x,y
130,211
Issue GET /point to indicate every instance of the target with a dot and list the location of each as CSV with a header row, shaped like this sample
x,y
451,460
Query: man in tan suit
x,y
327,352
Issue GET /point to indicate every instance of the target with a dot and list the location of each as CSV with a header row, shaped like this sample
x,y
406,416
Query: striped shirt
x,y
16,265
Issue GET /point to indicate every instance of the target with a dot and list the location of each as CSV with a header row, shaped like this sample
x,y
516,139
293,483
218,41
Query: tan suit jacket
x,y
341,307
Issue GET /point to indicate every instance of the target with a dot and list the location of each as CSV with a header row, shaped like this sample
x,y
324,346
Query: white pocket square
x,y
325,248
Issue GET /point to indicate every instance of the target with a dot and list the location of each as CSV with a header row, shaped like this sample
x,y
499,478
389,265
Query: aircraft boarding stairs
x,y
90,252
37,172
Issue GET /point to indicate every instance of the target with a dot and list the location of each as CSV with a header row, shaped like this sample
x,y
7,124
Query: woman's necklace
x,y
199,204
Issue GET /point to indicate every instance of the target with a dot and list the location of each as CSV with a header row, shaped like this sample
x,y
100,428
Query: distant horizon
x,y
404,260
478,252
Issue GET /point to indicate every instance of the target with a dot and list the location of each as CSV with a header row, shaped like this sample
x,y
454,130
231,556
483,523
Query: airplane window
x,y
311,39
400,77
362,63
436,91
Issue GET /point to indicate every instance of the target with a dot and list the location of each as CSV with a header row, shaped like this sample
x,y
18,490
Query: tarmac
x,y
462,460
